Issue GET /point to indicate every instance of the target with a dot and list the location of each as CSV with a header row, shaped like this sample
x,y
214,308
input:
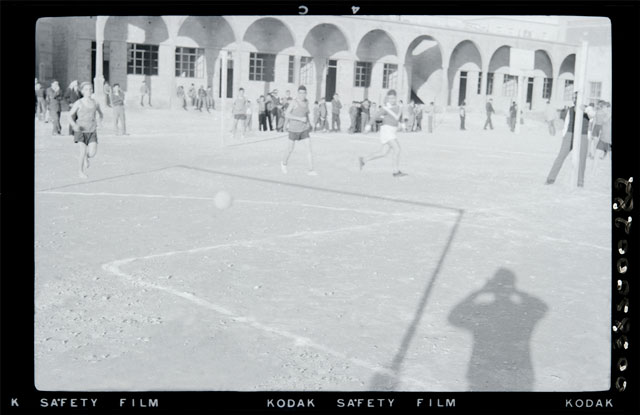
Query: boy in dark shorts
x,y
82,119
240,112
297,116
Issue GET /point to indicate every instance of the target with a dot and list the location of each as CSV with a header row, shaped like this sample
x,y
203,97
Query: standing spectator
x,y
490,111
54,101
418,115
249,115
269,111
280,107
117,101
41,102
262,114
336,106
316,115
567,145
550,116
604,136
202,96
240,112
145,92
107,92
353,114
273,97
431,114
409,115
181,97
211,105
463,115
364,116
71,95
324,123
513,111
192,95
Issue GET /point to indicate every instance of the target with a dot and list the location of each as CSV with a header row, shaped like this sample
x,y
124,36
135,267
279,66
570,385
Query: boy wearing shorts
x,y
297,116
239,112
390,114
82,119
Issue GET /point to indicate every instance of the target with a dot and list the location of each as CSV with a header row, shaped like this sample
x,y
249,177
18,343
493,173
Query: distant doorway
x,y
332,70
462,93
530,93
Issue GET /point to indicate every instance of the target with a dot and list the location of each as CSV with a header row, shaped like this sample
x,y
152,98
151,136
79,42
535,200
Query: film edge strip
x,y
622,207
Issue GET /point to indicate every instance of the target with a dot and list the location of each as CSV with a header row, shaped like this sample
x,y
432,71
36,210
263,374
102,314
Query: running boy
x,y
390,114
297,116
84,126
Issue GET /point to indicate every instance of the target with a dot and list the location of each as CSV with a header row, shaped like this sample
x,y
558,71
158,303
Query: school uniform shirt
x,y
387,119
462,112
117,99
336,106
144,89
262,107
489,108
87,115
240,106
299,109
54,98
323,110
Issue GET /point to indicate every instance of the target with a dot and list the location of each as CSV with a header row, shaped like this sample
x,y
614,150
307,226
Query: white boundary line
x,y
436,218
114,267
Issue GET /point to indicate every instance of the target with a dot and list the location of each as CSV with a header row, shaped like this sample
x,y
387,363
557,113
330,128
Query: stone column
x,y
444,93
98,81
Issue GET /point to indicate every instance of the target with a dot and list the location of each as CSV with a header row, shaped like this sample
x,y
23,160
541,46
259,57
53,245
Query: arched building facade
x,y
357,57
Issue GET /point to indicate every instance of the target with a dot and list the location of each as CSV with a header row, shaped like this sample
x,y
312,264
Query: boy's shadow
x,y
501,319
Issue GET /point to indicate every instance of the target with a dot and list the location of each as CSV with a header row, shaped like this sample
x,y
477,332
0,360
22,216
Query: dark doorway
x,y
332,70
530,92
415,97
105,61
229,80
462,94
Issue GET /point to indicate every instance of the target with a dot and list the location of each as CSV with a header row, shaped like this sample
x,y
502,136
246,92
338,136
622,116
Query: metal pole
x,y
579,87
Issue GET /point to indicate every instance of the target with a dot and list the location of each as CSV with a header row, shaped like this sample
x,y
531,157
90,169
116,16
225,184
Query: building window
x,y
389,76
262,67
546,88
510,86
142,59
306,70
568,90
292,65
479,83
190,62
595,92
490,83
363,74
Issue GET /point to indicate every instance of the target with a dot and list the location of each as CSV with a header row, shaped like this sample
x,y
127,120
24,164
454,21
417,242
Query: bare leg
x,y
289,149
395,158
384,150
309,154
83,160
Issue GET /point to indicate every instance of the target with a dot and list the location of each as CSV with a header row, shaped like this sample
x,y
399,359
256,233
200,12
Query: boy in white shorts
x,y
390,114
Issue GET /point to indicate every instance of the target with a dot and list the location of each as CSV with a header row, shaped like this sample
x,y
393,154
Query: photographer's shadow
x,y
501,319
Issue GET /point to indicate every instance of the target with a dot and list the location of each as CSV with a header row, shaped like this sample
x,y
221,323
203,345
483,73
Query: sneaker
x,y
399,174
312,173
283,167
361,162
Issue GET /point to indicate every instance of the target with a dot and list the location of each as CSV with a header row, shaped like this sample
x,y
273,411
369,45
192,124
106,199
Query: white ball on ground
x,y
223,200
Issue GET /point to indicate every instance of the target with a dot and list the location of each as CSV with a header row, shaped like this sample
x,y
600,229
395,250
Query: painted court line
x,y
415,216
114,267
